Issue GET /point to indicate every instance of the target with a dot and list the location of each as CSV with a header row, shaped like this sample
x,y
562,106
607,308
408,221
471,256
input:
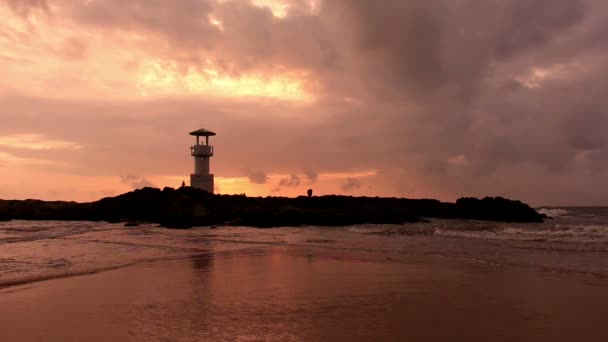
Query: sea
x,y
572,240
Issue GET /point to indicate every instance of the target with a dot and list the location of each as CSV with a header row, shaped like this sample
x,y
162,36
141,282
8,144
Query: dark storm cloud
x,y
422,49
415,50
185,23
432,70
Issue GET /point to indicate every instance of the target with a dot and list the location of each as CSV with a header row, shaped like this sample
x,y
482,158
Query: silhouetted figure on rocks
x,y
183,184
309,192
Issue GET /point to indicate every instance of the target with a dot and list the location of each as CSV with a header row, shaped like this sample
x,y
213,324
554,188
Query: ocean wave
x,y
42,277
557,233
553,212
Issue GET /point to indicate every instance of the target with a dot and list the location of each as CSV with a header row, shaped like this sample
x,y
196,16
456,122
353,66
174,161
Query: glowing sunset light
x,y
325,183
35,142
165,78
216,22
239,185
343,175
278,7
8,159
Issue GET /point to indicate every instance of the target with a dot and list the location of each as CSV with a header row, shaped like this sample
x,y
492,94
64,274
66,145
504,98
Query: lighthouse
x,y
202,151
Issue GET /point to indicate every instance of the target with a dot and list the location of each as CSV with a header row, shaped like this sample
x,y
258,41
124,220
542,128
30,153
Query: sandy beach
x,y
308,294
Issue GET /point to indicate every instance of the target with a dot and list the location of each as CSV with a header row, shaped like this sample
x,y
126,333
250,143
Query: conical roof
x,y
202,133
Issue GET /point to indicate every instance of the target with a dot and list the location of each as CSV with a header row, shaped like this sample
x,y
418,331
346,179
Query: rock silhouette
x,y
187,207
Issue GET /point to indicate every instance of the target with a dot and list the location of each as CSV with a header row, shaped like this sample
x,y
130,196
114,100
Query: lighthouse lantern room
x,y
202,151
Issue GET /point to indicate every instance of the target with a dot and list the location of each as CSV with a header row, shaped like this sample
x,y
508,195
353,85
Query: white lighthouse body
x,y
202,151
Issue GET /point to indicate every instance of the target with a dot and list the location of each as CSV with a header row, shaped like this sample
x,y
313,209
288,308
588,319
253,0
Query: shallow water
x,y
576,240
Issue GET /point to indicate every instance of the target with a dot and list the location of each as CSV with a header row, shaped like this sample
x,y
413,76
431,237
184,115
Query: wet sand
x,y
283,294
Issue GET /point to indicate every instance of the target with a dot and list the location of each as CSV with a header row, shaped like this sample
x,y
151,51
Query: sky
x,y
406,98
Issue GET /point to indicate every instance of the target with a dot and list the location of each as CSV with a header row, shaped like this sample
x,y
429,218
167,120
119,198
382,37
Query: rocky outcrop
x,y
187,207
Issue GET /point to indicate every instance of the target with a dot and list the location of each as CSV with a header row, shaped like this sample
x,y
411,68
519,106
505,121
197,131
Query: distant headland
x,y
189,207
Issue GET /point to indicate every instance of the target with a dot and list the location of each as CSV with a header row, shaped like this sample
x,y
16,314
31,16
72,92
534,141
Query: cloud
x,y
292,181
428,49
456,96
11,159
24,7
257,176
311,175
136,182
351,184
34,141
73,48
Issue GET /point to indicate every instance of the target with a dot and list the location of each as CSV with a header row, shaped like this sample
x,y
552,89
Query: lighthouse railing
x,y
201,150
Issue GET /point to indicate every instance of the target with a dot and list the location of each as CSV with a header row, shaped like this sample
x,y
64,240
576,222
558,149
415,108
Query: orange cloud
x,y
163,78
36,142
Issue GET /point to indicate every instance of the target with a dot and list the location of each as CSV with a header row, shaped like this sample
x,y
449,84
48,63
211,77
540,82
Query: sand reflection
x,y
308,294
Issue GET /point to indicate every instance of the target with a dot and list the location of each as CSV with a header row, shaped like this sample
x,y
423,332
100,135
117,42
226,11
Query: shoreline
x,y
263,246
314,244
33,280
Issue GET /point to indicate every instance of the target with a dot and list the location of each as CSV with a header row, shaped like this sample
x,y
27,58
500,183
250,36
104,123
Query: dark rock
x,y
4,213
189,207
497,209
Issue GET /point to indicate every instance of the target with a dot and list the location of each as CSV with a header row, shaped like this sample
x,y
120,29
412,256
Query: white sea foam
x,y
557,233
555,212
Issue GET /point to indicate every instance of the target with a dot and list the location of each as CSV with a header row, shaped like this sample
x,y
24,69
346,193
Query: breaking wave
x,y
557,233
553,213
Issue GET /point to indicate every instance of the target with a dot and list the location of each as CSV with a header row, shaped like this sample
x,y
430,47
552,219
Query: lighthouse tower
x,y
202,151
